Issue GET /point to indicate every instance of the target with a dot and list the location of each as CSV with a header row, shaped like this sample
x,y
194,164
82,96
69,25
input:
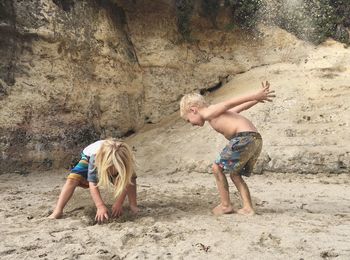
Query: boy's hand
x,y
117,210
265,94
101,214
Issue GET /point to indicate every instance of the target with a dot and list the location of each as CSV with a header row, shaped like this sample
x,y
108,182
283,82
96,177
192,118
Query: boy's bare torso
x,y
231,123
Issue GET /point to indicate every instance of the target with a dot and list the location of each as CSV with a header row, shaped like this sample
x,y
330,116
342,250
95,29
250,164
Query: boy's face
x,y
194,117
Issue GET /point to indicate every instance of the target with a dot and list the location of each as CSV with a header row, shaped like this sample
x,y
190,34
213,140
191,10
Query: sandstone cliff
x,y
75,71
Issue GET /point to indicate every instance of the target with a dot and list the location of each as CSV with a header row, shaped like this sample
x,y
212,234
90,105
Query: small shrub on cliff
x,y
314,20
210,9
342,11
342,16
3,89
244,12
323,20
6,10
66,5
184,9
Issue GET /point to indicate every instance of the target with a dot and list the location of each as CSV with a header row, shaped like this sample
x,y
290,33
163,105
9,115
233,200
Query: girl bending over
x,y
107,163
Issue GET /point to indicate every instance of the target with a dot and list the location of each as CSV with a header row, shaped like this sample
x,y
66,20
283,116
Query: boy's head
x,y
189,108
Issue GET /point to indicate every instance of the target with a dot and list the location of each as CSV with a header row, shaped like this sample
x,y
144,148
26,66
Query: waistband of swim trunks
x,y
249,133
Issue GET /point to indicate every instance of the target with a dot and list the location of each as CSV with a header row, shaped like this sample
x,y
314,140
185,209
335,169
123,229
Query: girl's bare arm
x,y
102,211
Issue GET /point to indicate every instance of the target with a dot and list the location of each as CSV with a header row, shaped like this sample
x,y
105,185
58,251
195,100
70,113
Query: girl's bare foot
x,y
246,212
134,209
220,210
56,215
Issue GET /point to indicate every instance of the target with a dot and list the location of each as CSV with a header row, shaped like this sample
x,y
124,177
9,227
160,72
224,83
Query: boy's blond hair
x,y
115,160
191,100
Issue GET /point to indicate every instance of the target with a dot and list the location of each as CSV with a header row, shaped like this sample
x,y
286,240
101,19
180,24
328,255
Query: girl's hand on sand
x,y
265,94
117,210
101,214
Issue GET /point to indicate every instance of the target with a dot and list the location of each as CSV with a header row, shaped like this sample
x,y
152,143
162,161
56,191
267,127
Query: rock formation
x,y
75,71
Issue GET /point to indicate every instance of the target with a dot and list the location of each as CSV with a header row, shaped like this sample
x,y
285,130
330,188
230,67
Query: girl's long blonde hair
x,y
115,160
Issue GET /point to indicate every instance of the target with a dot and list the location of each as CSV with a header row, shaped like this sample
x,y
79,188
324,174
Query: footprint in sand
x,y
269,240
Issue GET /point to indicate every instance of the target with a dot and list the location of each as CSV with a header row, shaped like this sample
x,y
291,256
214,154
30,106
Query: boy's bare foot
x,y
220,210
134,209
56,215
246,212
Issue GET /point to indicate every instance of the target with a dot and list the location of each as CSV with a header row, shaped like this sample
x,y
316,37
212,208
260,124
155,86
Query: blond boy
x,y
244,147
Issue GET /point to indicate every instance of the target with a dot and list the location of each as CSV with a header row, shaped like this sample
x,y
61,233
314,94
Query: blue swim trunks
x,y
241,153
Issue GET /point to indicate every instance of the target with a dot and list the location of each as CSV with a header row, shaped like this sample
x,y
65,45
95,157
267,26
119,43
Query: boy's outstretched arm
x,y
244,106
215,110
247,105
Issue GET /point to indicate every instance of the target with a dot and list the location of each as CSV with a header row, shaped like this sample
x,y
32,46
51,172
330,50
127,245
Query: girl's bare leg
x,y
132,196
65,195
243,190
225,207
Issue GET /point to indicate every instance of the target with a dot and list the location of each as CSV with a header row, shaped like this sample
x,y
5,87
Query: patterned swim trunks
x,y
80,171
241,153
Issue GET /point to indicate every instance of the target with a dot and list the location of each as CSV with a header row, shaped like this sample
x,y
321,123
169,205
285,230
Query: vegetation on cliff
x,y
184,9
313,20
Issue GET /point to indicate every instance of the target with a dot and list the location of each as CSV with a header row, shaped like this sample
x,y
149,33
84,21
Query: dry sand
x,y
298,216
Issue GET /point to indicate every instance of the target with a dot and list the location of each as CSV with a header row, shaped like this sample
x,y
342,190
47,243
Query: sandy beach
x,y
74,72
298,217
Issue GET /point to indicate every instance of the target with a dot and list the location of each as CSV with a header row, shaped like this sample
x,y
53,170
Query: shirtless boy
x,y
241,153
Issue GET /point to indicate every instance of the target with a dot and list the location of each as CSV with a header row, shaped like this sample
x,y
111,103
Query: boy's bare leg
x,y
65,195
243,190
132,196
225,207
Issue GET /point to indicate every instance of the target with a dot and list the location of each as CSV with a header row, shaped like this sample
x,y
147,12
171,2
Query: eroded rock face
x,y
69,75
304,129
74,71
